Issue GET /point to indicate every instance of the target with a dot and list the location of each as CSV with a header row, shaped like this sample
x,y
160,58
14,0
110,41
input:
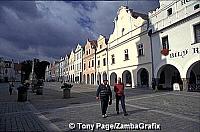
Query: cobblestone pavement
x,y
174,111
20,116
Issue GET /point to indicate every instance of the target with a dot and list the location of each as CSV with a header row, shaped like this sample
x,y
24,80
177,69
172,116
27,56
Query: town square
x,y
100,66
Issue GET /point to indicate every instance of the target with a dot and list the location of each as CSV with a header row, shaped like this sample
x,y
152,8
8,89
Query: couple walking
x,y
104,94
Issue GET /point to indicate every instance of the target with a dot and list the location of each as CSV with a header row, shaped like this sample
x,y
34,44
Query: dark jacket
x,y
104,91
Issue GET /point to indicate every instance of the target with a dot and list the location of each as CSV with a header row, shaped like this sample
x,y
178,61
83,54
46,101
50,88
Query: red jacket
x,y
119,89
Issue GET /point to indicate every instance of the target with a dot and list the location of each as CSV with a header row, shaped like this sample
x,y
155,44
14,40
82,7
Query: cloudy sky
x,y
49,30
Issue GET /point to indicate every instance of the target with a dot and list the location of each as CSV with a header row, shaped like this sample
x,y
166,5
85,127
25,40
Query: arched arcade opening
x,y
167,76
126,78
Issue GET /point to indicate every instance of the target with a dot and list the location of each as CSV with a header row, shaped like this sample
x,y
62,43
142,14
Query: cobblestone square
x,y
174,111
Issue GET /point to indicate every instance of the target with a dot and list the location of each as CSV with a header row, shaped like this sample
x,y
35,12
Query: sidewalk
x,y
20,116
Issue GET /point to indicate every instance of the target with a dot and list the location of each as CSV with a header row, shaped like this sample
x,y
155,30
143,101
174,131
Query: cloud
x,y
50,29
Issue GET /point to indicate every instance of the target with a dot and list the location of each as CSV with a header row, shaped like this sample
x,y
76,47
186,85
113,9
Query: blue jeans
x,y
122,98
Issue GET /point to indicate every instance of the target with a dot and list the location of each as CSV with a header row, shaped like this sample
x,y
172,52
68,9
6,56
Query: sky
x,y
50,29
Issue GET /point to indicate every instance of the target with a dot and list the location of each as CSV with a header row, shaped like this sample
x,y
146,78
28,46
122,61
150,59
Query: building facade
x,y
61,68
78,56
175,38
89,62
101,59
71,67
129,49
66,68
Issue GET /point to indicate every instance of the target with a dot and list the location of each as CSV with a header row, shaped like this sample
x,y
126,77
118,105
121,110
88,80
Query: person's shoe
x,y
125,114
103,116
118,112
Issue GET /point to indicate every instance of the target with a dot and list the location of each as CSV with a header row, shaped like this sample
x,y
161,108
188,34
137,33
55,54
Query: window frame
x,y
166,46
112,59
195,33
104,61
169,12
140,48
126,56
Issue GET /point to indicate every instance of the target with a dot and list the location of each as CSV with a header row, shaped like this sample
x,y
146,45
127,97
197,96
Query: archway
x,y
126,78
143,77
168,75
88,79
92,78
113,78
104,76
98,78
84,79
193,76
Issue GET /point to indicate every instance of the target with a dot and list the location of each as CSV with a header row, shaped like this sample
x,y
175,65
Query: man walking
x,y
119,94
105,96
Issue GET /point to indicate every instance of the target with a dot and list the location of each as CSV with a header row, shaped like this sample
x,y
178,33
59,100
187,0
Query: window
x,y
104,61
92,63
140,50
197,33
89,64
165,42
169,11
73,67
196,6
126,54
113,59
86,52
89,51
122,31
100,46
98,63
80,66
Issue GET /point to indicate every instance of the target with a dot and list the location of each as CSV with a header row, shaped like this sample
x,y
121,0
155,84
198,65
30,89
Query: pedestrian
x,y
119,94
104,93
11,85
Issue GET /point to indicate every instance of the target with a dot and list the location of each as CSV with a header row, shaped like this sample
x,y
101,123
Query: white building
x,y
129,50
78,58
175,38
66,68
9,73
48,73
61,68
71,67
101,59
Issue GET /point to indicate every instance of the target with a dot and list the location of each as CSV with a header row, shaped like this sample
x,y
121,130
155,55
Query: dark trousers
x,y
104,105
10,91
122,98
